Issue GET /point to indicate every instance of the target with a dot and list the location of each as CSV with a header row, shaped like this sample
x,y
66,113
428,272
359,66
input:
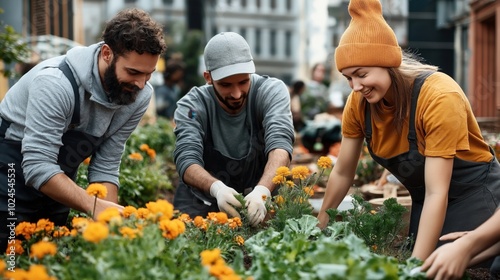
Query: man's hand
x,y
225,198
255,203
102,204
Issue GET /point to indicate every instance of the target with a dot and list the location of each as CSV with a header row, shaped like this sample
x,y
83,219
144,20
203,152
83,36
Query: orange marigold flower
x,y
185,218
172,228
324,162
234,222
290,184
200,223
3,266
222,271
239,240
44,225
309,191
136,157
80,223
300,172
283,171
151,153
221,217
279,179
95,232
16,247
61,231
39,272
25,229
210,257
108,215
43,248
162,208
144,147
129,232
86,161
96,189
129,211
143,213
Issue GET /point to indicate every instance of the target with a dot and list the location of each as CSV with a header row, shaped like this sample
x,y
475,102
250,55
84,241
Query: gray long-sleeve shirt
x,y
40,106
230,133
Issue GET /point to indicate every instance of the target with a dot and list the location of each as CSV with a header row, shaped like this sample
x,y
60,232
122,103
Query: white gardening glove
x,y
256,204
225,198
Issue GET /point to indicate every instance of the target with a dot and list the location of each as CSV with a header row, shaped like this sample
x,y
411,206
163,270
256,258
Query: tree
x,y
12,49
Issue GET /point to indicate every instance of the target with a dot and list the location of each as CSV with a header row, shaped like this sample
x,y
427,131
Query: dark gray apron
x,y
474,188
31,204
241,174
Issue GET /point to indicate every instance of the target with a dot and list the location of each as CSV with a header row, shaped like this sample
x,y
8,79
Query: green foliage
x,y
381,229
367,170
148,179
11,47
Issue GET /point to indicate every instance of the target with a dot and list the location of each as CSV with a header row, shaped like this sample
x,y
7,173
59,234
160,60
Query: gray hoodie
x,y
40,106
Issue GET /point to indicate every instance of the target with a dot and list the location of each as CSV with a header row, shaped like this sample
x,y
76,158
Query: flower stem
x,y
95,202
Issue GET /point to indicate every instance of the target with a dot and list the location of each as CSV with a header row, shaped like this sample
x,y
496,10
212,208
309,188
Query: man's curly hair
x,y
134,30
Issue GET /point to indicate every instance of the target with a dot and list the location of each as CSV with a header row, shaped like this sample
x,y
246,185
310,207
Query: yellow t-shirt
x,y
445,124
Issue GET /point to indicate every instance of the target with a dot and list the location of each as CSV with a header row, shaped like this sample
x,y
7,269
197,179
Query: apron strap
x,y
75,119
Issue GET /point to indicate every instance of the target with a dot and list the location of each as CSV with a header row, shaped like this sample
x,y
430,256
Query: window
x,y
272,39
258,41
288,43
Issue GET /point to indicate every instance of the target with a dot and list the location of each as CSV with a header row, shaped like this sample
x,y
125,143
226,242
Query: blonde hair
x,y
402,78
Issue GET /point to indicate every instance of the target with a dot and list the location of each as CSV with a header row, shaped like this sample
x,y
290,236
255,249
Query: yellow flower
x,y
109,214
239,240
17,274
135,156
290,184
172,228
300,172
26,229
325,162
3,266
98,190
283,171
43,248
309,191
144,147
39,272
95,232
128,211
279,200
44,225
278,179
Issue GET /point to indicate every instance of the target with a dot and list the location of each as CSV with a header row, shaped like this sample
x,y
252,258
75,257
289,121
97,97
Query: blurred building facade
x,y
289,36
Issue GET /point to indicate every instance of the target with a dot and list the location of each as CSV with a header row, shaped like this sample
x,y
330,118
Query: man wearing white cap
x,y
232,134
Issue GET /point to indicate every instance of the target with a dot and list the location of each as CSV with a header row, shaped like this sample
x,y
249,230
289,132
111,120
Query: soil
x,y
479,274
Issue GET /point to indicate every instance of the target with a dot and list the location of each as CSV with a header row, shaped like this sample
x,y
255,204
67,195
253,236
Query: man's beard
x,y
225,101
118,92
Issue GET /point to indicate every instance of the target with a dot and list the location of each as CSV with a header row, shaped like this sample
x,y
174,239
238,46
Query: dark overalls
x,y
474,188
19,202
240,174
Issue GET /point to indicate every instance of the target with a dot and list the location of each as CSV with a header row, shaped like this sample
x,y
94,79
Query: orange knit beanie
x,y
368,40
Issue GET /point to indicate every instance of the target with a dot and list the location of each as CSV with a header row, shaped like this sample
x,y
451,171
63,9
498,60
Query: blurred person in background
x,y
167,95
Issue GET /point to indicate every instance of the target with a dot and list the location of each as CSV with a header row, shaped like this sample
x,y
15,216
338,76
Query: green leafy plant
x,y
381,229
